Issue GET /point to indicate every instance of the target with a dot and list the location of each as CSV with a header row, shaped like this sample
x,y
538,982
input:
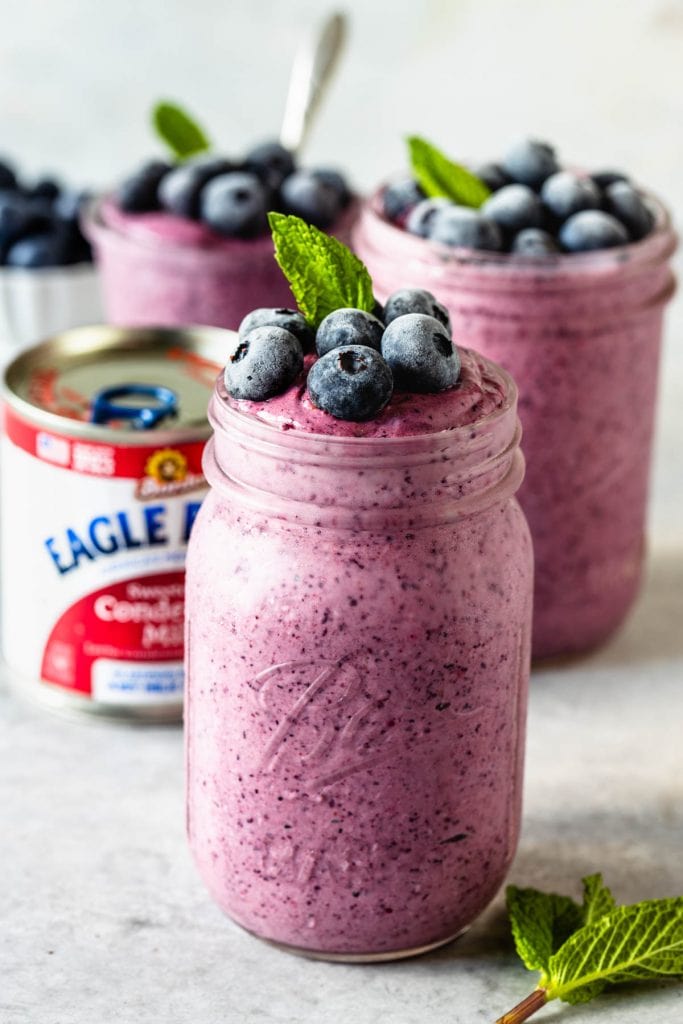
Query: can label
x,y
93,547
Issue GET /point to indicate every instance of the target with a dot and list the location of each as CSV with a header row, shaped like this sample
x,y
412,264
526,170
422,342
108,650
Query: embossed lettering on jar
x,y
358,623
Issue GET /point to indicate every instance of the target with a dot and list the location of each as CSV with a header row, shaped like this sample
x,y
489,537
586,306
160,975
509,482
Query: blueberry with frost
x,y
41,250
534,242
263,363
8,179
334,180
350,383
307,196
592,229
271,162
603,179
288,319
625,203
530,162
420,353
348,327
514,207
415,300
462,226
180,190
235,205
139,193
421,217
493,176
399,198
565,193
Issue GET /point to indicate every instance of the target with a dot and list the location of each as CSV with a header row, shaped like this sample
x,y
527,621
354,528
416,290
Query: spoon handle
x,y
314,64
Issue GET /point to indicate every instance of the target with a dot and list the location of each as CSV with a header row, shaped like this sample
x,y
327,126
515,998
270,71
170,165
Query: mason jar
x,y
358,641
580,333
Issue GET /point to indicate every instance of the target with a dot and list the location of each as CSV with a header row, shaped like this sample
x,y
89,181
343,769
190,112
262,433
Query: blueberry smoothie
x,y
562,278
358,634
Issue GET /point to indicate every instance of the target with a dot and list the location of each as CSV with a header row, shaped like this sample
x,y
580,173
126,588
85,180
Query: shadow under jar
x,y
358,633
580,334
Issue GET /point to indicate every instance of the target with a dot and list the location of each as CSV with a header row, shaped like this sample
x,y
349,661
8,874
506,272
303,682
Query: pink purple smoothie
x,y
580,334
358,644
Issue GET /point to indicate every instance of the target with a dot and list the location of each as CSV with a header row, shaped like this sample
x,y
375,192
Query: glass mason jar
x,y
580,334
358,633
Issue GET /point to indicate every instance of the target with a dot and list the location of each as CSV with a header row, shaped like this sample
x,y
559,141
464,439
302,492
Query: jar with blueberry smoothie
x,y
358,633
562,278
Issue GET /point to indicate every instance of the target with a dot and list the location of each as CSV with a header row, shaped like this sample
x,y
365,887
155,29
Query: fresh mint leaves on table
x,y
179,131
581,948
439,176
324,274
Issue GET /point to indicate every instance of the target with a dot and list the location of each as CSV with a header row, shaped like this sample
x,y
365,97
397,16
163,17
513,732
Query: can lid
x,y
103,381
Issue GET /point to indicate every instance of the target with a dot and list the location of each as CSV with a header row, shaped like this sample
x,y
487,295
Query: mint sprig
x,y
180,132
439,176
580,949
323,274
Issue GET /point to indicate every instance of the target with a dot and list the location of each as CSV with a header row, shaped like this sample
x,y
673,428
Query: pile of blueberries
x,y
39,223
536,208
361,356
234,197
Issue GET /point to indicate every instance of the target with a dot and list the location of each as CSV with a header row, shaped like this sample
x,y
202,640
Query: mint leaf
x,y
439,176
597,899
541,922
634,943
182,135
323,274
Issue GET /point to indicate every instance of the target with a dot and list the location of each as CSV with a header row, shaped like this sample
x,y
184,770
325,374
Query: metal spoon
x,y
314,64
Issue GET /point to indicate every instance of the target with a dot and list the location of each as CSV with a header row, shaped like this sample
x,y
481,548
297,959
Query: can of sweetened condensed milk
x,y
100,482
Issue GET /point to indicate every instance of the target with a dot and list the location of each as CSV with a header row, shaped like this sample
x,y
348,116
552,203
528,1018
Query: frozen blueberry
x,y
592,229
263,363
493,176
399,198
44,188
345,327
69,205
15,216
350,383
271,162
235,205
421,217
530,162
415,300
420,352
534,242
306,196
334,180
605,178
288,319
140,192
514,207
624,203
41,250
180,190
461,226
8,179
565,193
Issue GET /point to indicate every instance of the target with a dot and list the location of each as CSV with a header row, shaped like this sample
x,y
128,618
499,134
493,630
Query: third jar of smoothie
x,y
359,613
580,333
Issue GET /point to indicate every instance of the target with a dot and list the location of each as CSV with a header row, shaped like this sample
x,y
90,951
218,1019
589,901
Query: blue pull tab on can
x,y
106,405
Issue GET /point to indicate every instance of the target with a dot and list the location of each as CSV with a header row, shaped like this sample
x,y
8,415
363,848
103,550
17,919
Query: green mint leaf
x,y
597,899
182,135
541,922
634,943
323,274
439,176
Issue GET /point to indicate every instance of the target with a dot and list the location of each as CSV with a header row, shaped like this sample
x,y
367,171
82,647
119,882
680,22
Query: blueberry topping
x,y
564,193
493,176
421,217
420,352
530,162
235,205
592,229
140,192
16,216
270,162
624,203
534,242
288,319
45,188
41,250
350,383
514,207
415,300
181,189
398,199
334,180
307,196
605,178
461,226
345,327
263,363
